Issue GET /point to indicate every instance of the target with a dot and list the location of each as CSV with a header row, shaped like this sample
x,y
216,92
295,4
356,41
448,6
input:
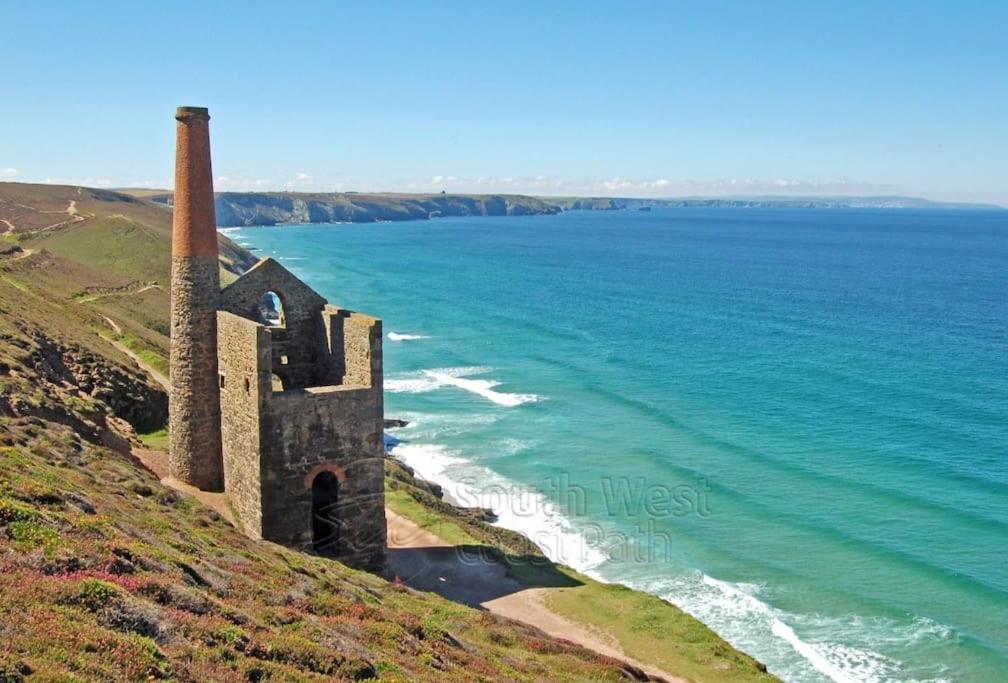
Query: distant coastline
x,y
237,209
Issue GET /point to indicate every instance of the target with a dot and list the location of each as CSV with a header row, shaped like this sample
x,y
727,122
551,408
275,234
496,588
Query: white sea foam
x,y
433,427
482,387
423,381
518,508
396,336
429,461
418,382
410,385
797,647
839,662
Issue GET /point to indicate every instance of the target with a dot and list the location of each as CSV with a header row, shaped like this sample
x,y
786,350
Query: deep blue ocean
x,y
792,424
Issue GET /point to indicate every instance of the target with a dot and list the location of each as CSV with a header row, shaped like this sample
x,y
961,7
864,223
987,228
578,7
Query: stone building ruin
x,y
276,395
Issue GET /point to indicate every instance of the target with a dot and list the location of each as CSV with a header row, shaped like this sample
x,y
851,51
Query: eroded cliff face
x,y
46,381
272,208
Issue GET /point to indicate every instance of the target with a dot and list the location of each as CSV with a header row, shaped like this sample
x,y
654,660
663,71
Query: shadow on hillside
x,y
472,574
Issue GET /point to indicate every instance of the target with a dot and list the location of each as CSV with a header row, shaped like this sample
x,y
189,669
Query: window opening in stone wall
x,y
270,310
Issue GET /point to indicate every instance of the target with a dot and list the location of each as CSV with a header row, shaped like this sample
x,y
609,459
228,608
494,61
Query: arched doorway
x,y
325,518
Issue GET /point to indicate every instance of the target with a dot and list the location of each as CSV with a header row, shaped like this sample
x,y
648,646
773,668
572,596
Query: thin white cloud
x,y
642,187
239,182
79,182
300,181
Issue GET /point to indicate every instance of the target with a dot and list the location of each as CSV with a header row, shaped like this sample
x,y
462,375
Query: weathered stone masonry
x,y
194,418
194,401
285,414
323,419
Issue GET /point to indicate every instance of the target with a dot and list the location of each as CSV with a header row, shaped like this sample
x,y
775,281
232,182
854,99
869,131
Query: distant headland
x,y
236,209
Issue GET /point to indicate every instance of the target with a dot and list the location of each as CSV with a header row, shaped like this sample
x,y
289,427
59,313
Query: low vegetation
x,y
107,575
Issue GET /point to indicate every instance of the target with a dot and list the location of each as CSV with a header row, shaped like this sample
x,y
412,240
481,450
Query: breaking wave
x,y
518,507
422,381
396,336
836,648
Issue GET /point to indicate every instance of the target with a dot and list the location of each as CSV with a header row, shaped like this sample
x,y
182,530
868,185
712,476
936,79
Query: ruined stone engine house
x,y
276,395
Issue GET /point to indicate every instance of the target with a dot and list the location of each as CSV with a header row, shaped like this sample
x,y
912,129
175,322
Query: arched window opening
x,y
325,520
271,313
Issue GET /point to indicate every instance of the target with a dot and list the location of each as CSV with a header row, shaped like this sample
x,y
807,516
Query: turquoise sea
x,y
793,424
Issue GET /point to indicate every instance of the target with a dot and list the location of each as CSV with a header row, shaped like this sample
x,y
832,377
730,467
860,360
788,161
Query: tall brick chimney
x,y
194,406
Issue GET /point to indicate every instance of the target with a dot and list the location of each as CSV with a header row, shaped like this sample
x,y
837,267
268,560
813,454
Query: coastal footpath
x,y
111,571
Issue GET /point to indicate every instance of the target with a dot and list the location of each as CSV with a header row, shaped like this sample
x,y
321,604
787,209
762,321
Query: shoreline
x,y
445,573
728,592
466,558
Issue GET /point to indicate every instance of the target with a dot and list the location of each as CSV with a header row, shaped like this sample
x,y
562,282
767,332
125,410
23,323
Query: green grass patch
x,y
402,503
152,358
156,440
117,243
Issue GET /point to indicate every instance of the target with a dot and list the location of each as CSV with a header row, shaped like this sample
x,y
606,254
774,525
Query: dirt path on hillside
x,y
113,324
157,462
74,215
144,365
135,288
424,561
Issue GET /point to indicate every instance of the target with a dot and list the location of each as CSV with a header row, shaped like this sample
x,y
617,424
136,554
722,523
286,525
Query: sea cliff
x,y
273,208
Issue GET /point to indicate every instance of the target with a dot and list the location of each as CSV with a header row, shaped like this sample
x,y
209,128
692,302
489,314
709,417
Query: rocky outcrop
x,y
595,204
65,384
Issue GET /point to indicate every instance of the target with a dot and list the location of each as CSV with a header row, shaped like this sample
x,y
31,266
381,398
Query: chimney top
x,y
183,113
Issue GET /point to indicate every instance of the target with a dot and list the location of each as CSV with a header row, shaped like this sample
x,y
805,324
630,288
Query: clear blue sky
x,y
647,99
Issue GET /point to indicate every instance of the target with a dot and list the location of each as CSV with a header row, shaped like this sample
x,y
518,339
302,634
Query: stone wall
x,y
300,352
355,344
194,404
328,418
244,348
336,429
